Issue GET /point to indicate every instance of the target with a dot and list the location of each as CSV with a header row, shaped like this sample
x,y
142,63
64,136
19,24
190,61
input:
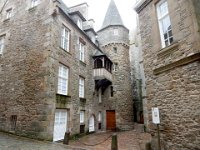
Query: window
x,y
81,87
115,66
1,44
81,52
111,91
8,13
115,49
65,39
99,95
100,117
82,115
115,32
34,3
164,23
80,24
63,76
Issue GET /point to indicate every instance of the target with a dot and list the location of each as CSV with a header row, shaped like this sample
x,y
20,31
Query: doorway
x,y
110,120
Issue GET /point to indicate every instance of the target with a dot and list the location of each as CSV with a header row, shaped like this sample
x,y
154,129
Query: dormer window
x,y
80,24
8,13
34,3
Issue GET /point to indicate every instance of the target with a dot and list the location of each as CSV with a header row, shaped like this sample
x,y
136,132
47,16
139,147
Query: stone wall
x,y
23,89
172,75
122,101
29,70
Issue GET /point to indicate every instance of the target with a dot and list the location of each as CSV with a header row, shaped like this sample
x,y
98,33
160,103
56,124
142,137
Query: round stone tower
x,y
113,39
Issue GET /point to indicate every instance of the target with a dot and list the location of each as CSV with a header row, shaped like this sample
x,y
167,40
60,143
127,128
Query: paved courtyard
x,y
129,140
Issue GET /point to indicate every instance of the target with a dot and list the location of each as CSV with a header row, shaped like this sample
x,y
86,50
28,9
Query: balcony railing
x,y
102,73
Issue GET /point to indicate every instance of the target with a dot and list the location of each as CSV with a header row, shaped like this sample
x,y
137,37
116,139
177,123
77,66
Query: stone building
x,y
116,45
171,49
54,75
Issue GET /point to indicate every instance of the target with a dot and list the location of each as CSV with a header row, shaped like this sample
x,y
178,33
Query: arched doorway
x,y
91,124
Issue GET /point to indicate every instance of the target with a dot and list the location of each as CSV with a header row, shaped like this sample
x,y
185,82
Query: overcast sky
x,y
98,8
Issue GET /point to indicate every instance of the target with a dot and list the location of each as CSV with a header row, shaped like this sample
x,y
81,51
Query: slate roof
x,y
112,16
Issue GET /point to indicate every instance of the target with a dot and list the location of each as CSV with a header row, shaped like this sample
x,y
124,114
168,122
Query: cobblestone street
x,y
129,140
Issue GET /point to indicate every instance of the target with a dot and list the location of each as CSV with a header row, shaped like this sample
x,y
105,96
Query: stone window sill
x,y
68,52
83,99
32,8
83,63
168,50
7,20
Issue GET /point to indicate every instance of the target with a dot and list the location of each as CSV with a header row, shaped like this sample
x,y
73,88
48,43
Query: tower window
x,y
115,67
116,32
115,49
111,91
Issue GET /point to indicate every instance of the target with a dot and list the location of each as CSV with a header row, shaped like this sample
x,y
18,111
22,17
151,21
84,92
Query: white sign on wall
x,y
155,115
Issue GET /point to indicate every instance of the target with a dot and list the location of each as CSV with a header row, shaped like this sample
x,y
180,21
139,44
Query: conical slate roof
x,y
112,16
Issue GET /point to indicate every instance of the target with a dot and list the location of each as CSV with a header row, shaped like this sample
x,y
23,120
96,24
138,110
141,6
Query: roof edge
x,y
139,6
111,26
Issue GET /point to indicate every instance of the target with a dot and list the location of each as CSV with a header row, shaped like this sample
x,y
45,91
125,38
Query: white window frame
x,y
65,35
162,16
82,116
63,80
100,116
34,3
8,13
80,23
81,87
2,44
81,52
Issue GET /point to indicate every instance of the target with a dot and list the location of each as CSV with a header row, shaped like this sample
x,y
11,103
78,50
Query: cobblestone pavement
x,y
129,140
11,142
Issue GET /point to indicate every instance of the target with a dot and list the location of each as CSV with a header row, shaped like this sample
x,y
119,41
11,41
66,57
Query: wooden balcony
x,y
102,73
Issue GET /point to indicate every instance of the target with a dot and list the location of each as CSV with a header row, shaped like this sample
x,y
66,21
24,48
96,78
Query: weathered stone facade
x,y
173,73
114,40
30,64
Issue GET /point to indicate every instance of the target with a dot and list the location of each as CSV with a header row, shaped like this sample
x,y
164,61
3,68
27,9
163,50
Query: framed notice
x,y
155,115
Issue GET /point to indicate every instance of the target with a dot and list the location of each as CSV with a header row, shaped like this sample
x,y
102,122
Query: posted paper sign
x,y
155,115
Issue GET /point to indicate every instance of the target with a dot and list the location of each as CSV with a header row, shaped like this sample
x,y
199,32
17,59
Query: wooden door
x,y
110,120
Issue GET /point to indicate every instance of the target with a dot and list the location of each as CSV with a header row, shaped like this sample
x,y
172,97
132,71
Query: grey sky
x,y
98,8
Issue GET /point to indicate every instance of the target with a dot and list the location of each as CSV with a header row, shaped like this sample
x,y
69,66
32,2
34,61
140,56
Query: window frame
x,y
65,38
9,13
81,87
2,44
80,23
82,116
34,3
100,116
61,77
160,18
81,51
